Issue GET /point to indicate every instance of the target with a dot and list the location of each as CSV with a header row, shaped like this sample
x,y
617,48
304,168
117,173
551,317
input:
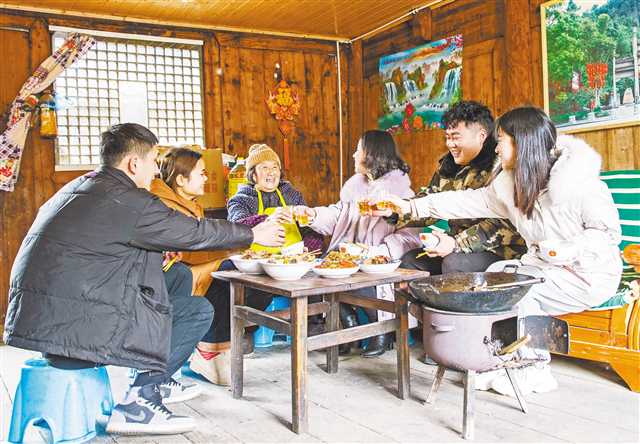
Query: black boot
x,y
348,319
315,325
377,346
247,343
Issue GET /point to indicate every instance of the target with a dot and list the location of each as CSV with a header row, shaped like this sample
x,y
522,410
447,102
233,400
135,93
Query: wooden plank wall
x,y
501,67
248,67
25,43
234,108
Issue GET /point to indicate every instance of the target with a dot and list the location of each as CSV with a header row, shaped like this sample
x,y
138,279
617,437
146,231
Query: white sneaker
x,y
142,412
484,379
530,379
175,391
216,370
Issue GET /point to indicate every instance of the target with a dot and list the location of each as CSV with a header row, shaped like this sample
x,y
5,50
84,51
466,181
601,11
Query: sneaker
x,y
530,379
142,412
175,391
427,360
485,379
216,370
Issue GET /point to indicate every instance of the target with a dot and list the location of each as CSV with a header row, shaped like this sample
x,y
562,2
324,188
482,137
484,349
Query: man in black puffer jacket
x,y
87,286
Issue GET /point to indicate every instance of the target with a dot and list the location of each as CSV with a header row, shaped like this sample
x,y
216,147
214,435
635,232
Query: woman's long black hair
x,y
534,136
381,154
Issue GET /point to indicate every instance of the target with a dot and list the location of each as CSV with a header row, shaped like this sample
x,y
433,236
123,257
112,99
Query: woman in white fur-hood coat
x,y
550,189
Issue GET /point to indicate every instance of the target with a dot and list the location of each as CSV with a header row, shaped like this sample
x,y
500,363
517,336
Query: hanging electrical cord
x,y
339,110
432,4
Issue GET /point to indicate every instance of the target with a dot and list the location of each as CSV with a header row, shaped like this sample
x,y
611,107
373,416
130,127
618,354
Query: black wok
x,y
463,292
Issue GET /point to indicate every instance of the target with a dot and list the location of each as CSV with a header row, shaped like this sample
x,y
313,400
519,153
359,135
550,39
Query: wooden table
x,y
293,323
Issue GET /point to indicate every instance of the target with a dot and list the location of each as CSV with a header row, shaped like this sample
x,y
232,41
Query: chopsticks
x,y
508,284
573,272
168,265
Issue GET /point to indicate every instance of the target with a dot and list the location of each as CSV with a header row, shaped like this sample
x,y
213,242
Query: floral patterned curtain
x,y
12,140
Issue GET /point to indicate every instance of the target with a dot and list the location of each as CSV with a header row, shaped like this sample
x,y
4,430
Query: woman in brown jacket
x,y
183,176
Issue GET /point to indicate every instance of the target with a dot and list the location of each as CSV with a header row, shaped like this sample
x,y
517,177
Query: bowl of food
x,y
288,268
379,265
337,265
249,261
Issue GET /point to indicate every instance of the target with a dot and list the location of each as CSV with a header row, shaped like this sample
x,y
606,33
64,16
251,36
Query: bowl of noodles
x,y
288,267
379,265
249,261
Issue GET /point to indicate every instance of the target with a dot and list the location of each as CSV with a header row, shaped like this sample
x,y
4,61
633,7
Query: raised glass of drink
x,y
364,207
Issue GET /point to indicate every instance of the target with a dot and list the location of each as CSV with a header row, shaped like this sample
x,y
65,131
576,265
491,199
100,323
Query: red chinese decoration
x,y
284,104
597,74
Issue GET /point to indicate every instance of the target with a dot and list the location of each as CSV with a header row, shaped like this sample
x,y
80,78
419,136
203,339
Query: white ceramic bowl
x,y
335,273
379,268
248,266
286,272
558,252
429,241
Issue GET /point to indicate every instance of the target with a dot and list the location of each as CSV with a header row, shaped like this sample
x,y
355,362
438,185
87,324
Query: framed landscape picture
x,y
590,63
419,85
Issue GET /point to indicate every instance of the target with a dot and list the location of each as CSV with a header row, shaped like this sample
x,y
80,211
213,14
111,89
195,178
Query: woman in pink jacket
x,y
379,170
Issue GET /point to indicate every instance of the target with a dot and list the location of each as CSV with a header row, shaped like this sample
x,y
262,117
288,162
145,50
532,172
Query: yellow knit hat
x,y
259,153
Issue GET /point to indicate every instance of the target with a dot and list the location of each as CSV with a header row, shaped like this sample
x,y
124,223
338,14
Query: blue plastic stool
x,y
263,336
67,402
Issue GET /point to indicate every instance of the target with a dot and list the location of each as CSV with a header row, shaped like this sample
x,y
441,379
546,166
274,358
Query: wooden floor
x,y
359,405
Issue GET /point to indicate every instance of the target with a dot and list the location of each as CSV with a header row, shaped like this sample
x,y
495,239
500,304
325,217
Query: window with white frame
x,y
155,83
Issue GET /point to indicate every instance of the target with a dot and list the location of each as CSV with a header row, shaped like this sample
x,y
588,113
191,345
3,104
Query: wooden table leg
x,y
237,331
402,345
299,415
332,324
469,396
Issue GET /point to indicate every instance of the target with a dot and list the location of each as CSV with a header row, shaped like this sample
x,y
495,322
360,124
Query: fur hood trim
x,y
577,164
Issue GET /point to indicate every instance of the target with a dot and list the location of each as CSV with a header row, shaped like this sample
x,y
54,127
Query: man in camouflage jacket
x,y
471,244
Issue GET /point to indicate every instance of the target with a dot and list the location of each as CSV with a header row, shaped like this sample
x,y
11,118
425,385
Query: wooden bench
x,y
612,335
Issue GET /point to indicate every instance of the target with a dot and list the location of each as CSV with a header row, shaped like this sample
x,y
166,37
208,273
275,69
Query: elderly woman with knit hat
x,y
265,196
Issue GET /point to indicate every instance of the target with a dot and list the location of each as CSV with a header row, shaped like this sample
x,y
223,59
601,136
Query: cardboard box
x,y
214,187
